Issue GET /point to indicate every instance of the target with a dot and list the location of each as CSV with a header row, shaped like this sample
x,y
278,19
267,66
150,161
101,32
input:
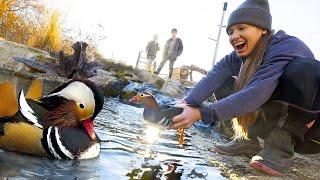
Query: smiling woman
x,y
262,68
244,37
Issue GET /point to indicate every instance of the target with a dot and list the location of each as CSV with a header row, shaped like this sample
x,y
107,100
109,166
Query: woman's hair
x,y
248,69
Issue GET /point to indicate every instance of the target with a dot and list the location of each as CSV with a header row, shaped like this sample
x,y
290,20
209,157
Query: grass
x,y
49,37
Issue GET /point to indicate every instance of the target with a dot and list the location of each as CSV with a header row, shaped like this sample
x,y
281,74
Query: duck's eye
x,y
81,106
141,95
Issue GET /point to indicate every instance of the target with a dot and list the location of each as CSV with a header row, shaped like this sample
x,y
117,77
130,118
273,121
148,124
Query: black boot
x,y
274,158
238,148
311,142
244,147
260,128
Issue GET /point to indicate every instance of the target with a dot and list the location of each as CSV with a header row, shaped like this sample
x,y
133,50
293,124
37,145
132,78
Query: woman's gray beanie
x,y
253,12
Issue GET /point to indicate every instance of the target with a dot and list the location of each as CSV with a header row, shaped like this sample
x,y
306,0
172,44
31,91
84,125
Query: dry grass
x,y
29,22
50,36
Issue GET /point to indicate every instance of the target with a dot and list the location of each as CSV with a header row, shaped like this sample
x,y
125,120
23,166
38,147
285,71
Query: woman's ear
x,y
264,32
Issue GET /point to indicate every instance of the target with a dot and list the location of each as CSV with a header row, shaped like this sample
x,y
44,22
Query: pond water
x,y
131,149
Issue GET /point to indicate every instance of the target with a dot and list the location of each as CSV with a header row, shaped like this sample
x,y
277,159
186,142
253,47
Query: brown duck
x,y
158,114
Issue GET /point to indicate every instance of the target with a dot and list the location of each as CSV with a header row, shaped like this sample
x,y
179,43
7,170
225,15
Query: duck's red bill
x,y
133,99
89,127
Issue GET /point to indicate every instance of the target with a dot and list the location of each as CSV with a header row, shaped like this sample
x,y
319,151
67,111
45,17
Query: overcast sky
x,y
130,24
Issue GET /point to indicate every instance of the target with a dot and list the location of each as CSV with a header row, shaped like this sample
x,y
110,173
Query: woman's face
x,y
244,37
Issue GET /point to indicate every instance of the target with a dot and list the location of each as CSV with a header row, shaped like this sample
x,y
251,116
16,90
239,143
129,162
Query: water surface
x,y
131,149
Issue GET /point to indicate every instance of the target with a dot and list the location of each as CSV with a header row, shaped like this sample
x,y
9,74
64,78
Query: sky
x,y
124,27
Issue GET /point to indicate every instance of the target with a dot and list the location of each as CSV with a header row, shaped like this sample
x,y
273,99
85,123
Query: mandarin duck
x,y
58,125
158,114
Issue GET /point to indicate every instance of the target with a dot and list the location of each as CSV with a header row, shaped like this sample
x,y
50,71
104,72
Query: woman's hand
x,y
186,119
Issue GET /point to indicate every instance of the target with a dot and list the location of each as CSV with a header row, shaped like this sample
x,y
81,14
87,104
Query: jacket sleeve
x,y
165,49
180,47
148,47
211,82
259,88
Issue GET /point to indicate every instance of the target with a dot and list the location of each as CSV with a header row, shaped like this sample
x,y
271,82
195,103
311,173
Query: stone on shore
x,y
176,88
10,49
151,78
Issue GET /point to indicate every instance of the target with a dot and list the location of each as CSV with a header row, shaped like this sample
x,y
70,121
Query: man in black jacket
x,y
171,51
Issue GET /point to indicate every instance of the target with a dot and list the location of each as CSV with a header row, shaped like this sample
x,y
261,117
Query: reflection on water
x,y
151,134
131,149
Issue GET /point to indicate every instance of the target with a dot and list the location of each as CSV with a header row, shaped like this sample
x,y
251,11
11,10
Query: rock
x,y
126,95
10,49
130,76
172,88
101,81
101,72
47,77
109,85
114,89
31,76
150,78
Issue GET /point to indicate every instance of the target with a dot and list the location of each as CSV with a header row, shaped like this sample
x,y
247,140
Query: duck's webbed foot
x,y
181,134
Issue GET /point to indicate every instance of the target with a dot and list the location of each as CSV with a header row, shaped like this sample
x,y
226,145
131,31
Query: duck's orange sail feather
x,y
35,90
8,99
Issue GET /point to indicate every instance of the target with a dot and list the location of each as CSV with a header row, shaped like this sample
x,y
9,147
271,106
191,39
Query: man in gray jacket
x,y
151,50
171,51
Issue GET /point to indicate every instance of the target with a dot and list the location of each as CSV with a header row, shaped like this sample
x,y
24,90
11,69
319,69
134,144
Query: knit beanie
x,y
253,12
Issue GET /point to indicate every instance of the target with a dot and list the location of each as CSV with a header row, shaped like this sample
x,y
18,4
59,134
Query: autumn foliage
x,y
29,22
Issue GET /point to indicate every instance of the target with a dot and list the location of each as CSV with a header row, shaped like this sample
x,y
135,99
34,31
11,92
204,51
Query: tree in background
x,y
19,19
48,37
29,22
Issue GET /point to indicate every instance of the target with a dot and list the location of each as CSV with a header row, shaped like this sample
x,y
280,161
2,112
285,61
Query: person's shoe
x,y
238,148
274,159
270,162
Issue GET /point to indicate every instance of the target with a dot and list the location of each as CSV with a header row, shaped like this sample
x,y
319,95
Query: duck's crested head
x,y
82,96
85,94
84,99
145,98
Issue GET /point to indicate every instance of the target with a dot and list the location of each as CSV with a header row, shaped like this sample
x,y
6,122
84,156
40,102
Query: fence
x,y
142,61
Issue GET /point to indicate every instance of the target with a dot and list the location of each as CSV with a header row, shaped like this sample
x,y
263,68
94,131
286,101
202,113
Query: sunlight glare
x,y
151,134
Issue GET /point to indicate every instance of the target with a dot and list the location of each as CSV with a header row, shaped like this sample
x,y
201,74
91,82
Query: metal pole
x,y
138,60
219,33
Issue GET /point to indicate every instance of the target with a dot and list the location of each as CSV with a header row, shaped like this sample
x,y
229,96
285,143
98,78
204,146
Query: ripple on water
x,y
131,149
154,152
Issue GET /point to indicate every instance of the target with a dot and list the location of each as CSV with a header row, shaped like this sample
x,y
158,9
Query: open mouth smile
x,y
240,46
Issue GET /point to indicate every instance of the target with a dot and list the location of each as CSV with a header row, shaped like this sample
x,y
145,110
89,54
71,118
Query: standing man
x,y
151,50
171,51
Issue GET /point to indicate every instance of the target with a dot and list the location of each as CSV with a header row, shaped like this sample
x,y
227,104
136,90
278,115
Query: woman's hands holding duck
x,y
186,119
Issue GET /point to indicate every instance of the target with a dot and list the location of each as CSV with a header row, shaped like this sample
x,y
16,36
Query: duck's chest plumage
x,y
53,142
69,143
